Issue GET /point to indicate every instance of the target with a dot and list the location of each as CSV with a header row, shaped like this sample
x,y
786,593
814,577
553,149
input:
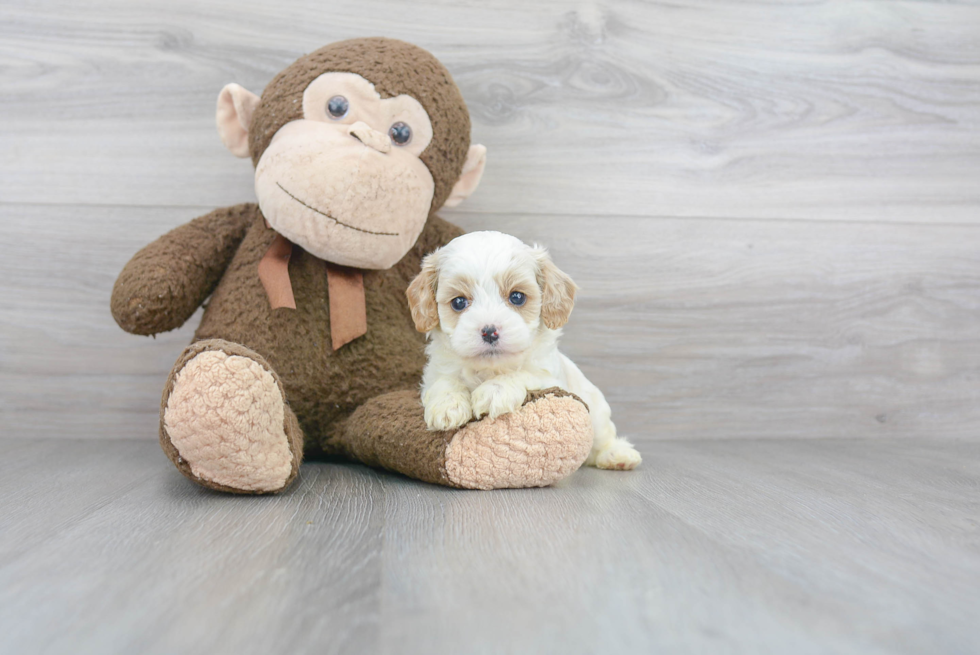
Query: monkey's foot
x,y
544,441
538,444
224,422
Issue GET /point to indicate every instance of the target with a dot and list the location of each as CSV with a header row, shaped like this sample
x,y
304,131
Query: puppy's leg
x,y
608,450
447,404
503,394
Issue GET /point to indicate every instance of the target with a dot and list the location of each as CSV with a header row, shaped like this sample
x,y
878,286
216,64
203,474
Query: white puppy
x,y
499,306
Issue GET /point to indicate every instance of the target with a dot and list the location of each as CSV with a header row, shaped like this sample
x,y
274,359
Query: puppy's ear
x,y
557,291
422,295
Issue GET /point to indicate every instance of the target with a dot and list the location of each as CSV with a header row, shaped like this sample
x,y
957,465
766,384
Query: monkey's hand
x,y
165,282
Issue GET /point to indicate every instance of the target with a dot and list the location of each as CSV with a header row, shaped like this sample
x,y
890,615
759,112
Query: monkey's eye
x,y
459,303
517,298
400,134
337,107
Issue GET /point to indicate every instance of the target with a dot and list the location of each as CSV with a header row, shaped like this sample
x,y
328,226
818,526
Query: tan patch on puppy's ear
x,y
422,295
557,291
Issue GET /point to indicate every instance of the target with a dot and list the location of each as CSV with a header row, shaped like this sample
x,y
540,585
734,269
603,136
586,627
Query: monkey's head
x,y
354,146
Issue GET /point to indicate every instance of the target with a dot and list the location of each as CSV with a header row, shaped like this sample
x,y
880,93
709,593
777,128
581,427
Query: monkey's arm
x,y
165,282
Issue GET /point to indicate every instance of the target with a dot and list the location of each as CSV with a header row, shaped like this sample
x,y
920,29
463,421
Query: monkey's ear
x,y
469,179
422,295
235,107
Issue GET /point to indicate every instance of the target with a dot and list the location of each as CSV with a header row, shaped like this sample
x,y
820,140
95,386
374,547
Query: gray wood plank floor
x,y
767,546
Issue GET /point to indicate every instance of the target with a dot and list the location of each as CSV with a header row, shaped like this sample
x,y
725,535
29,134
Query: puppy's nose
x,y
489,333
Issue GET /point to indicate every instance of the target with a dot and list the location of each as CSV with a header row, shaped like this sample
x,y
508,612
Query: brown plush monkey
x,y
307,345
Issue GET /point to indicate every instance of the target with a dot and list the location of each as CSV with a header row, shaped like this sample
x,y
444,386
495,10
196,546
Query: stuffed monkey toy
x,y
307,346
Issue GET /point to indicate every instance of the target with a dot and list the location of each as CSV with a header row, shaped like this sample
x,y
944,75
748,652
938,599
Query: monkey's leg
x,y
224,422
541,443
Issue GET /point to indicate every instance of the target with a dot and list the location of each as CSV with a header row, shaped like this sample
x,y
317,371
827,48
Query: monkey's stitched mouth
x,y
338,222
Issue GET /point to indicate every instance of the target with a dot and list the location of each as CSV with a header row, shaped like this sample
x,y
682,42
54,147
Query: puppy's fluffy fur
x,y
494,346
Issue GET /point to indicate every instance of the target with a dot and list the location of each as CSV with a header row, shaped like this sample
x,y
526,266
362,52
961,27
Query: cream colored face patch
x,y
344,182
362,103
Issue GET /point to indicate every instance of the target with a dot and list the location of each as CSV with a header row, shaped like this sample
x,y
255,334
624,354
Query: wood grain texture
x,y
782,546
697,329
612,127
835,110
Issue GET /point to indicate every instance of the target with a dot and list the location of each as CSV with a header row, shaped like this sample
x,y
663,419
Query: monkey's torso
x,y
322,386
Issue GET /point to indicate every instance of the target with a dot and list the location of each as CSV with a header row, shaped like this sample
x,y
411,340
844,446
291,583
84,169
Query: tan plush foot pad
x,y
541,443
224,416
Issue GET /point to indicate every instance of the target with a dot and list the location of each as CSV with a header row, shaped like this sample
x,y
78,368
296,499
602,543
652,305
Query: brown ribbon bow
x,y
345,288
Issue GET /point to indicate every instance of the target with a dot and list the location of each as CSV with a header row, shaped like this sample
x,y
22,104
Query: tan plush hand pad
x,y
543,442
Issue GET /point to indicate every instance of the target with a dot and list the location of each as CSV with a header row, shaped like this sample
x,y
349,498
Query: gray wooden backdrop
x,y
772,208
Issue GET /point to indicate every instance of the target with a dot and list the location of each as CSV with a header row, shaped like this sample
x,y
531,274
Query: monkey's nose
x,y
370,137
489,334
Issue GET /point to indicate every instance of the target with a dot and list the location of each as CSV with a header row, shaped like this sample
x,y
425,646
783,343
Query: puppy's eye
x,y
337,107
517,298
459,304
400,134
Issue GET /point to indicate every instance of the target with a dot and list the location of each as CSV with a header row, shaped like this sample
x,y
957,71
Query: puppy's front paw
x,y
618,456
495,399
448,411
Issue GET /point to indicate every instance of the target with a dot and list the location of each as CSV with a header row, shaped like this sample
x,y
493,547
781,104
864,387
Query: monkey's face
x,y
349,165
345,182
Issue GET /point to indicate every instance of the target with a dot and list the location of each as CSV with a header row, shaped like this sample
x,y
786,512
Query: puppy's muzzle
x,y
489,334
